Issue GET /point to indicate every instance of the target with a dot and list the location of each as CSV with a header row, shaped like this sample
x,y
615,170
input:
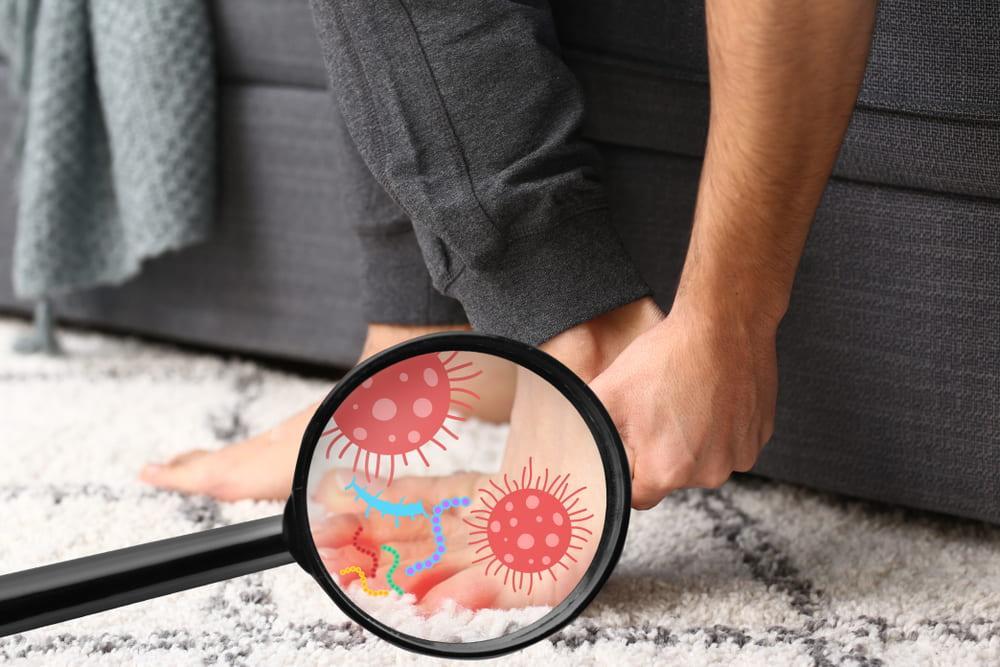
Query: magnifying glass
x,y
436,531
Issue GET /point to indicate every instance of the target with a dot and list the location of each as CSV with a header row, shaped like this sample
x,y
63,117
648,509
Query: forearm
x,y
784,80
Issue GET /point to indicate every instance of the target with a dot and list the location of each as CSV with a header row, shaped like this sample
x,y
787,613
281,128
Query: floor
x,y
756,573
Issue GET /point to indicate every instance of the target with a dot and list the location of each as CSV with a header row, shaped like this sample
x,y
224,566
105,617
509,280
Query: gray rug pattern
x,y
755,573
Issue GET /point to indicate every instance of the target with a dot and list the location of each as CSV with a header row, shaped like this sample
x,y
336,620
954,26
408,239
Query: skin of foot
x,y
546,429
262,466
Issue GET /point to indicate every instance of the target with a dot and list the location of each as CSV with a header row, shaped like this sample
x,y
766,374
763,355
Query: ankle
x,y
382,336
588,348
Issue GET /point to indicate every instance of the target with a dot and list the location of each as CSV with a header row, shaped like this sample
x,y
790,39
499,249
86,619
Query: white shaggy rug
x,y
755,574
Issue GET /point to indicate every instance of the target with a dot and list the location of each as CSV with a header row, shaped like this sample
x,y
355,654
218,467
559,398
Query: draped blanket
x,y
116,140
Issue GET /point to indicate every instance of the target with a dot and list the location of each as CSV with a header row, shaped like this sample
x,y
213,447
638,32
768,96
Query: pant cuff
x,y
396,287
550,282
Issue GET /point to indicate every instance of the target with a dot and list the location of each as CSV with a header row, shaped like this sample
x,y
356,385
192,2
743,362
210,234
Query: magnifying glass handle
x,y
74,588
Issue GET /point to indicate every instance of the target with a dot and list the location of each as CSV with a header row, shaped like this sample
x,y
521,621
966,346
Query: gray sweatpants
x,y
470,121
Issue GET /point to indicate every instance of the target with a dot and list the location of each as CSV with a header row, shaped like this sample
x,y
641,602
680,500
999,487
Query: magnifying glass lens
x,y
457,497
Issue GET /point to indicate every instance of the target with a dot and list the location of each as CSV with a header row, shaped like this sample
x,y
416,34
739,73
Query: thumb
x,y
646,489
606,389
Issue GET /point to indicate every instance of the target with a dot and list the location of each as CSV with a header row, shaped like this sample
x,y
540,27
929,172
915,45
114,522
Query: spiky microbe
x,y
528,528
392,569
393,509
368,552
432,560
375,592
400,409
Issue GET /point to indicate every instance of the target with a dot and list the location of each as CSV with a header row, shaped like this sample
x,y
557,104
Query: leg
x,y
471,120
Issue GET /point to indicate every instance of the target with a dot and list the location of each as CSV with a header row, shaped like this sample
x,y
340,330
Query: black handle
x,y
61,591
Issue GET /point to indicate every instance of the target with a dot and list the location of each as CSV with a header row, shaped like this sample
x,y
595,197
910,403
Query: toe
x,y
179,474
157,473
186,457
468,589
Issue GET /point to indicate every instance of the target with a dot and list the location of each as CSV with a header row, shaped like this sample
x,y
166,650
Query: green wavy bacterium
x,y
395,563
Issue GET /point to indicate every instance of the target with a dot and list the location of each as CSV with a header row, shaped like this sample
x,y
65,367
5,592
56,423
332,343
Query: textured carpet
x,y
754,574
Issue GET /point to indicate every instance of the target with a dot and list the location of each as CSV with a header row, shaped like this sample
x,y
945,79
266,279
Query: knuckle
x,y
716,476
646,494
767,432
677,474
745,460
645,502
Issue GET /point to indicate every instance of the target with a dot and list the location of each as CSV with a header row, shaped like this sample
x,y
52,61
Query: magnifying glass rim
x,y
606,438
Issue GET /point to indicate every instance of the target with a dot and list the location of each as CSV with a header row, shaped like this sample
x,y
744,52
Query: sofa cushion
x,y
667,35
930,58
634,104
936,59
268,42
889,365
927,117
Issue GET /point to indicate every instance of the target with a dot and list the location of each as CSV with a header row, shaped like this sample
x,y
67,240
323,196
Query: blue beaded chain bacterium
x,y
435,557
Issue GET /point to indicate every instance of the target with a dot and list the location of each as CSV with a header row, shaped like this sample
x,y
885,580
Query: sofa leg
x,y
42,338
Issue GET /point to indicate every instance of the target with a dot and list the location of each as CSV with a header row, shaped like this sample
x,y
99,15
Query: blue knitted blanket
x,y
117,136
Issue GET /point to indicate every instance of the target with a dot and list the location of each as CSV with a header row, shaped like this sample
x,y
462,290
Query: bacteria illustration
x,y
371,553
392,569
399,410
526,529
440,548
374,592
386,508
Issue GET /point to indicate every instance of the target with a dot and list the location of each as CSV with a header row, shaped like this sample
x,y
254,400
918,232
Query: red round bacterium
x,y
400,409
528,528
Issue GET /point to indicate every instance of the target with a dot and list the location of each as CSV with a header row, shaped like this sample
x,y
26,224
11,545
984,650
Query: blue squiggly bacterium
x,y
439,549
387,508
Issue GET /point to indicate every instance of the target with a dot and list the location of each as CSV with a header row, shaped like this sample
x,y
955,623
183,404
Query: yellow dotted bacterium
x,y
354,569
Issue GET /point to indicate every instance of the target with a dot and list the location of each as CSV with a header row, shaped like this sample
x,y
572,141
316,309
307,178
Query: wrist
x,y
741,263
730,297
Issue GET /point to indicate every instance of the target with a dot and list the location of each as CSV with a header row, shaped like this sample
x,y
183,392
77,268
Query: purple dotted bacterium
x,y
432,560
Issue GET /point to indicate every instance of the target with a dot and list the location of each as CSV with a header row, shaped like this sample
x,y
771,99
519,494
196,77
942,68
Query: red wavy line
x,y
371,553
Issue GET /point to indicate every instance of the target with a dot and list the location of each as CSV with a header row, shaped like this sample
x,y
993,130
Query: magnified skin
x,y
546,429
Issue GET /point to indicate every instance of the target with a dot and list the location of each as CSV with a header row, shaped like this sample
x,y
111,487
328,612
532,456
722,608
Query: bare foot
x,y
261,467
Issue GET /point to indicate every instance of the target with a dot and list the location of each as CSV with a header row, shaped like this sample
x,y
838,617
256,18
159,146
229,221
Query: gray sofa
x,y
890,354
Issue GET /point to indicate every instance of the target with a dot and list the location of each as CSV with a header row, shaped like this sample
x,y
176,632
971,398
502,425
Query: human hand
x,y
694,400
